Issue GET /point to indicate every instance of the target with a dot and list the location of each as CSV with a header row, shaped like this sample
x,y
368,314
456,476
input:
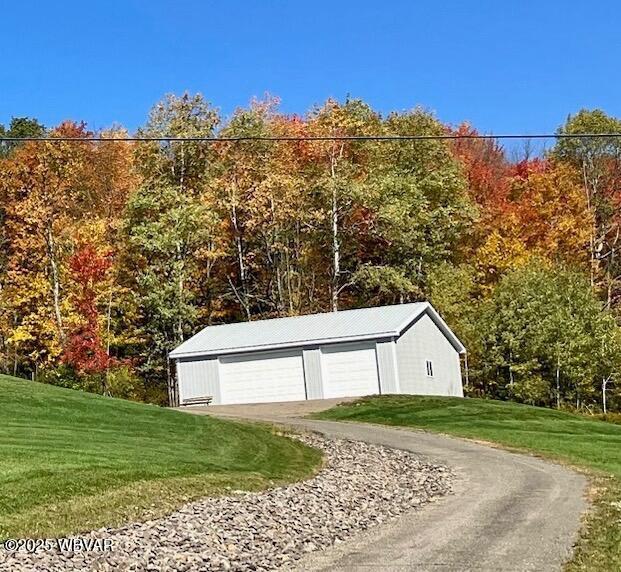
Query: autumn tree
x,y
288,219
168,224
85,350
599,162
339,167
485,165
417,208
542,212
241,168
266,191
541,331
18,127
44,194
54,191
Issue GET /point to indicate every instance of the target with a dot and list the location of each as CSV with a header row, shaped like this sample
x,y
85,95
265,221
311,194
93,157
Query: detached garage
x,y
405,348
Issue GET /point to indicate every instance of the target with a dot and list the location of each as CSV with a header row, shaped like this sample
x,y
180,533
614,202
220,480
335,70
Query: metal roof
x,y
312,329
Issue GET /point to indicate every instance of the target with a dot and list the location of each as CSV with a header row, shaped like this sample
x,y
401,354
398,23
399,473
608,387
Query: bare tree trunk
x,y
466,370
593,229
180,281
240,262
240,250
180,297
108,329
610,267
336,246
274,257
310,289
182,174
336,254
15,355
51,253
280,304
243,302
289,271
208,289
605,381
170,383
558,382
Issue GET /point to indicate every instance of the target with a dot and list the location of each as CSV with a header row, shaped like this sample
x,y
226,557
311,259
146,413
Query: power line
x,y
449,136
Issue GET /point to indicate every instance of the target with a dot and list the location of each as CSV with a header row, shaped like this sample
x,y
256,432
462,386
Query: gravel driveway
x,y
360,487
509,512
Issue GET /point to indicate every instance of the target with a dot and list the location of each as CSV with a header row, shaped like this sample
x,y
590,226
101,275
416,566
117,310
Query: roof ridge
x,y
307,329
330,313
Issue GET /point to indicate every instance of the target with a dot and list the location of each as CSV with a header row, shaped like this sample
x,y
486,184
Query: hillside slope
x,y
74,460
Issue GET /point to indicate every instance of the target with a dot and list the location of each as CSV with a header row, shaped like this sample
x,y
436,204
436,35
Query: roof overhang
x,y
422,310
289,345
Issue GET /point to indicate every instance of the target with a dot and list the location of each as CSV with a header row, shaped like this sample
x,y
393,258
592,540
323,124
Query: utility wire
x,y
451,136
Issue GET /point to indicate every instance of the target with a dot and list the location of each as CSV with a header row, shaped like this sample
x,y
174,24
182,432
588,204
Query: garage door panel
x,y
349,371
262,378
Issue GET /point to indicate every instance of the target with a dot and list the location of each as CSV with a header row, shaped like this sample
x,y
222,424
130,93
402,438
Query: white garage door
x,y
349,370
260,378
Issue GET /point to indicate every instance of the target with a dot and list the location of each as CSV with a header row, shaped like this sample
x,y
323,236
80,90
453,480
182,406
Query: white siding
x,y
198,378
384,365
312,373
349,370
262,377
387,366
421,342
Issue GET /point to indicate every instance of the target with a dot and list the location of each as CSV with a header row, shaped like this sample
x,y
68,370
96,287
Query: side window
x,y
429,368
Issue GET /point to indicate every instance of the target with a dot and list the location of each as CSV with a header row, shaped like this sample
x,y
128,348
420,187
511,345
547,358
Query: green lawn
x,y
592,445
70,461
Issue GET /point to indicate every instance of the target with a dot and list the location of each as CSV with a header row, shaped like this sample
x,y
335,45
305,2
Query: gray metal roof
x,y
312,329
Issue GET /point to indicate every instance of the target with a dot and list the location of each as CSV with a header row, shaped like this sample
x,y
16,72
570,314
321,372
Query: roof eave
x,y
288,345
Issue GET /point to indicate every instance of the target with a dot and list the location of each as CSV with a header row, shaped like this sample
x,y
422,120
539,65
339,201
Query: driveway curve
x,y
508,512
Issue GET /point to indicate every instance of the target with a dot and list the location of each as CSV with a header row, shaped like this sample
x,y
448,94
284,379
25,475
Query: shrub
x,y
119,381
124,383
532,390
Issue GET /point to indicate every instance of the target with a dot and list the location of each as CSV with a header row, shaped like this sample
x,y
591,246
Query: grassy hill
x,y
72,460
568,437
590,444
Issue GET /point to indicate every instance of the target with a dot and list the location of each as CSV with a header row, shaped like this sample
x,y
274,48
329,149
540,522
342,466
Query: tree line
x,y
114,252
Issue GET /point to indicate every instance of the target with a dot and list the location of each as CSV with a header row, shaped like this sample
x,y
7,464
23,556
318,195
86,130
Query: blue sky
x,y
518,66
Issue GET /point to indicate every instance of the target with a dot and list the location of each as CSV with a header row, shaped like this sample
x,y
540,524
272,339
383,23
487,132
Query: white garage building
x,y
405,348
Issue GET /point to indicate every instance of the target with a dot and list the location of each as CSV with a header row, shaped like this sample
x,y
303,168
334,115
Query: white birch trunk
x,y
51,253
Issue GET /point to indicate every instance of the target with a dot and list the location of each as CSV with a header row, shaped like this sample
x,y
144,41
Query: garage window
x,y
429,365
